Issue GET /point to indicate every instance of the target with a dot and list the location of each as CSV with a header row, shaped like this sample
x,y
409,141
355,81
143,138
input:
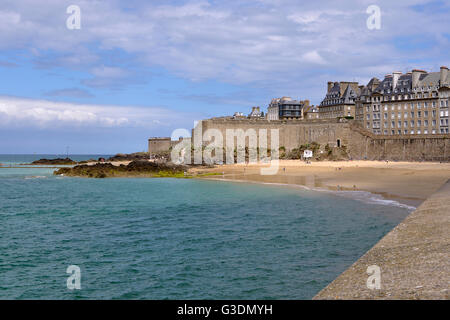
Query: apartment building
x,y
286,108
401,104
340,100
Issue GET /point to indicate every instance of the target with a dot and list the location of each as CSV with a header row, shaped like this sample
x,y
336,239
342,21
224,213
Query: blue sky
x,y
138,69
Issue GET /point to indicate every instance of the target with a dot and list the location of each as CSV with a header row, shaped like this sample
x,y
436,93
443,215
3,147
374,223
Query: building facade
x,y
286,108
340,100
406,104
256,113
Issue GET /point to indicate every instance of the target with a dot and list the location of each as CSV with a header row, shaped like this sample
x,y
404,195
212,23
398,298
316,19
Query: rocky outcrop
x,y
133,169
130,157
58,161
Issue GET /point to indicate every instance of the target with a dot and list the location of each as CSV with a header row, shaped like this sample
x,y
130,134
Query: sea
x,y
164,238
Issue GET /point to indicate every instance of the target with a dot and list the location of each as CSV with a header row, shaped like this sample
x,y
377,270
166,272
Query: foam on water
x,y
364,196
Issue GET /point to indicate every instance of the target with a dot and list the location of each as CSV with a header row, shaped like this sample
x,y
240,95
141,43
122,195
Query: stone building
x,y
157,145
311,112
286,108
256,113
340,100
406,104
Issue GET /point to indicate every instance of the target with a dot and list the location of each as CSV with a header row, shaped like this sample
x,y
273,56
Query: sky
x,y
137,69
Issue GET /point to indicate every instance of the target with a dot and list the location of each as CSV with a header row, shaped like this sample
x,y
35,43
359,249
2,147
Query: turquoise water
x,y
177,238
18,159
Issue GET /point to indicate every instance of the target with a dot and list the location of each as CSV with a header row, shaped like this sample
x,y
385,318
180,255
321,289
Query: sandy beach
x,y
406,182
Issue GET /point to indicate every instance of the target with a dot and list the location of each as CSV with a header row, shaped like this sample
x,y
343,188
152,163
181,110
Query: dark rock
x,y
58,161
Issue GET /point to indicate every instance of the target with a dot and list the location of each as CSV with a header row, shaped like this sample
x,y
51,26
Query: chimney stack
x,y
416,76
330,85
395,76
443,76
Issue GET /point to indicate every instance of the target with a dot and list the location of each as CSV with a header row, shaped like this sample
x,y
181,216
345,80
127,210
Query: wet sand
x,y
409,183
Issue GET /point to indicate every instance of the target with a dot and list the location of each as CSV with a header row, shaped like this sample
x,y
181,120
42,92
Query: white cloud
x,y
236,42
16,112
313,57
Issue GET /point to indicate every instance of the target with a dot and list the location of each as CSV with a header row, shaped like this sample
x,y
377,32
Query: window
x,y
425,123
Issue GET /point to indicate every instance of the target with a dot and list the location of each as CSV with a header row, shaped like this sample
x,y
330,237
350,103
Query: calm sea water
x,y
176,238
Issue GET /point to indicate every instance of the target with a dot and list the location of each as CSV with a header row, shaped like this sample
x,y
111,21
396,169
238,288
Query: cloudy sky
x,y
137,69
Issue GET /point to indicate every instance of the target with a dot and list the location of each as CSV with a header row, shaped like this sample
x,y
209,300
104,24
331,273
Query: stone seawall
x,y
414,258
365,145
292,133
358,143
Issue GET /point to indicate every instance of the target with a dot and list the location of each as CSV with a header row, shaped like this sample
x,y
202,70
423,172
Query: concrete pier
x,y
414,258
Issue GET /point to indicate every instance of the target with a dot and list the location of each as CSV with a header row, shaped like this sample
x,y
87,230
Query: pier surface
x,y
414,258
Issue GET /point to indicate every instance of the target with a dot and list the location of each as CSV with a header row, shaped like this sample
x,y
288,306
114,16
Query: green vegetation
x,y
58,161
297,153
133,169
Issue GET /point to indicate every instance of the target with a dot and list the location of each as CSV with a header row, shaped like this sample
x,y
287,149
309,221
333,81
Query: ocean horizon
x,y
153,238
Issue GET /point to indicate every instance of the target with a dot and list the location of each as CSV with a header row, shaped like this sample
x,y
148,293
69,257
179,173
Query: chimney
x,y
416,76
443,76
395,76
330,85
